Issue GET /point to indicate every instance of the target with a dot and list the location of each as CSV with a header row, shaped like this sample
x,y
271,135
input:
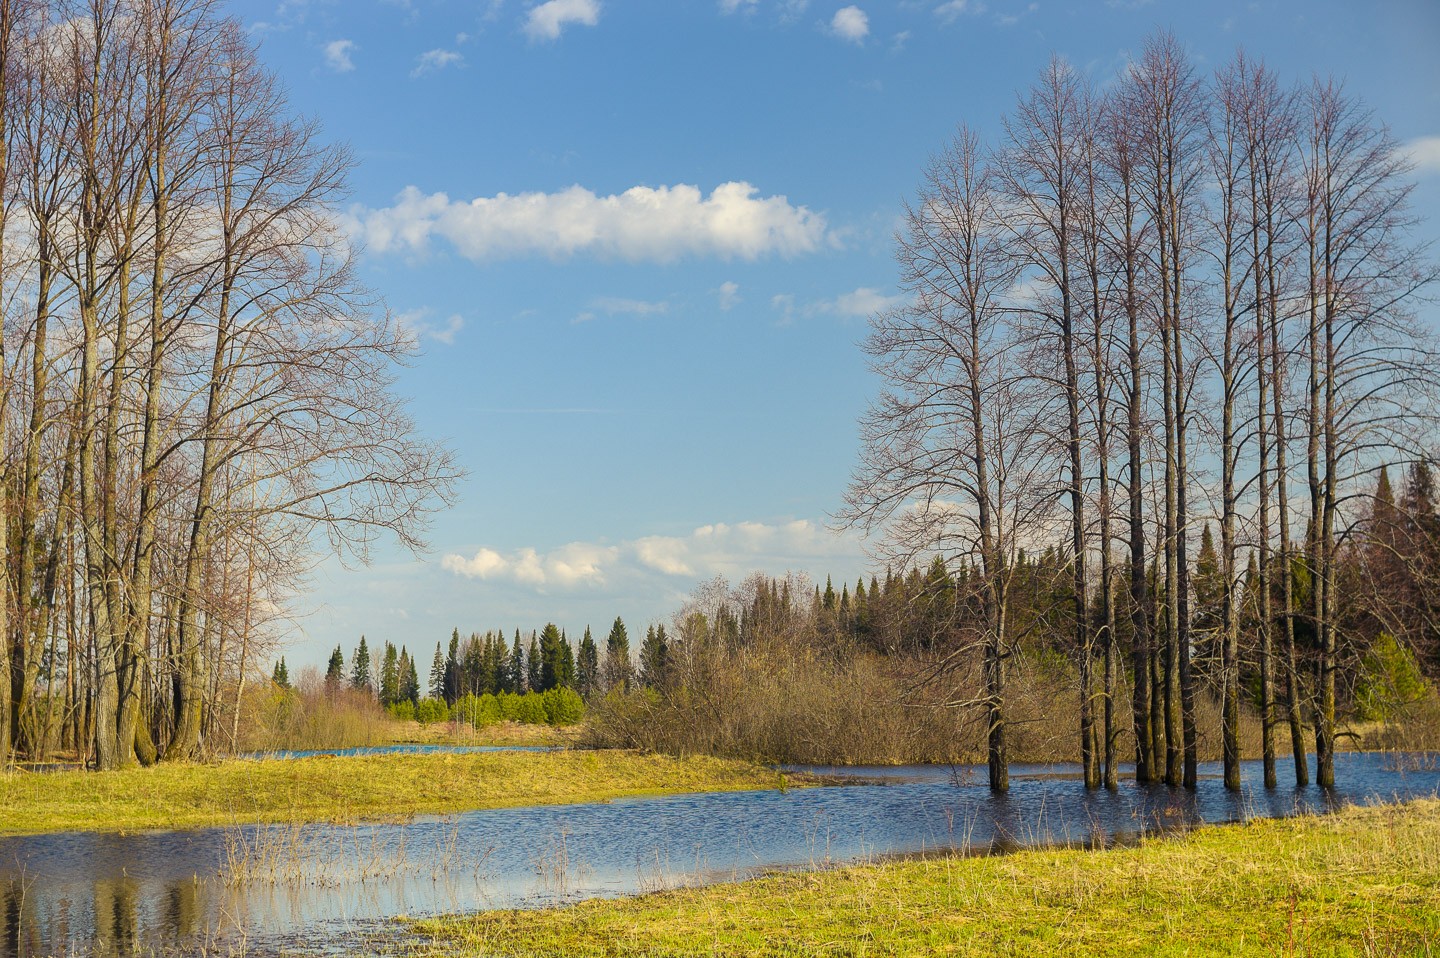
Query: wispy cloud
x,y
851,24
432,61
859,303
655,224
1423,153
619,306
953,10
728,295
730,549
547,20
416,324
338,55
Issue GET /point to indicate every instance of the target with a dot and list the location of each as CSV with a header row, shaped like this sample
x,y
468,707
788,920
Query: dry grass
x,y
1363,882
349,789
501,733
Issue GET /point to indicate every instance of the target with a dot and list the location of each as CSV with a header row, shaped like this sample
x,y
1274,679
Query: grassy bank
x,y
1365,881
348,789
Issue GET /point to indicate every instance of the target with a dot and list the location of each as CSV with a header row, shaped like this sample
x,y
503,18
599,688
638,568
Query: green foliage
x,y
654,657
515,668
617,670
404,710
437,674
431,710
335,670
563,706
1389,680
409,678
530,708
534,681
476,711
587,669
552,658
360,679
281,678
390,676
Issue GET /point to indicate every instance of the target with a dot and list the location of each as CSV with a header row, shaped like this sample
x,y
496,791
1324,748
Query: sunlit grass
x,y
328,788
1365,881
501,733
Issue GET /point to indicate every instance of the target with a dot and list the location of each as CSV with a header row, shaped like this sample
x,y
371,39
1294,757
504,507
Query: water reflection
x,y
269,888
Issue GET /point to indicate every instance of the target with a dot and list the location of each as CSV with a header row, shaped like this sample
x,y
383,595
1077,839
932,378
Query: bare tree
x,y
951,446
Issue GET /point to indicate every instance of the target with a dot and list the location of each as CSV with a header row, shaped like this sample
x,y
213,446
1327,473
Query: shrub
x,y
1389,680
309,715
431,710
403,710
477,711
563,706
530,709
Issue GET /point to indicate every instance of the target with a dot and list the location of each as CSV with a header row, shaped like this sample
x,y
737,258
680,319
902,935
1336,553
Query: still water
x,y
322,889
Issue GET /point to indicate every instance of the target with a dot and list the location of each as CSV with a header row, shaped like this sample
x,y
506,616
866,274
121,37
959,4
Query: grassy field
x,y
349,789
1365,881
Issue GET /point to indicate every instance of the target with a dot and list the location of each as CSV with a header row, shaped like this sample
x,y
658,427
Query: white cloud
x,y
953,10
732,6
546,21
1423,153
850,23
729,295
655,224
415,324
338,55
576,564
614,306
862,302
432,61
619,306
730,549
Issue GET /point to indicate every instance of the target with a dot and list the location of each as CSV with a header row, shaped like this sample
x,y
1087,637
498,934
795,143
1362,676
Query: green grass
x,y
349,789
1365,881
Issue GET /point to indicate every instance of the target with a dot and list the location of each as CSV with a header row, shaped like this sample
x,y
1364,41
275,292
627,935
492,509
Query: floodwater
x,y
322,889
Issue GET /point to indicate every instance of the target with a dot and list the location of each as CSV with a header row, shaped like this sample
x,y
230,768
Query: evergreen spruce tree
x,y
495,663
473,677
451,685
409,678
550,657
335,670
534,667
390,676
587,668
654,658
437,674
515,668
282,675
567,663
360,679
617,670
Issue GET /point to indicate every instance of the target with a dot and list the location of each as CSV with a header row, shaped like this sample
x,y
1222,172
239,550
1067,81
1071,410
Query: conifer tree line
x,y
1185,301
194,389
490,664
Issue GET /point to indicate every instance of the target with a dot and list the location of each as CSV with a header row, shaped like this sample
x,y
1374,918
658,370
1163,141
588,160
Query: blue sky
x,y
638,239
